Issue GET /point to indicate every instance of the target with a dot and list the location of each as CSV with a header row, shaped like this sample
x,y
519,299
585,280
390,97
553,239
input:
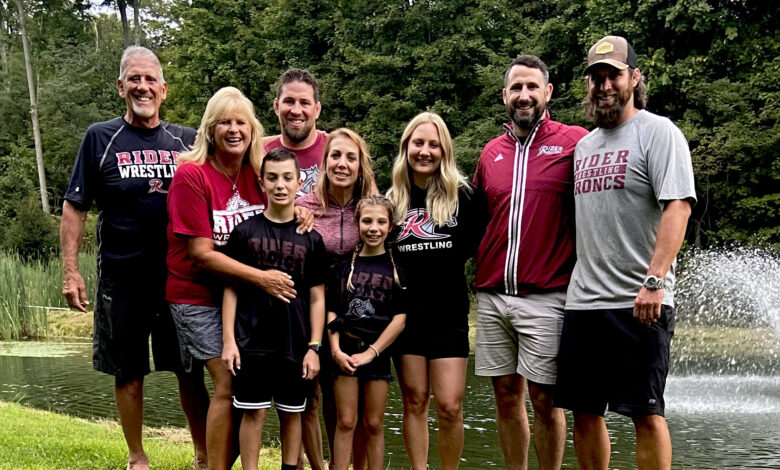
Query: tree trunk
x,y
97,35
33,110
137,21
4,13
4,56
122,7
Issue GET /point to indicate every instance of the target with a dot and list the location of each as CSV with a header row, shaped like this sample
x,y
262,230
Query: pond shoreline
x,y
698,343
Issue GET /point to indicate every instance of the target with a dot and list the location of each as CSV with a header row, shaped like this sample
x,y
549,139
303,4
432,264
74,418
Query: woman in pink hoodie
x,y
346,176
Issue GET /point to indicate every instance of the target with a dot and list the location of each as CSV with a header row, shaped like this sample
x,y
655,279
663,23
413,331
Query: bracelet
x,y
315,343
374,349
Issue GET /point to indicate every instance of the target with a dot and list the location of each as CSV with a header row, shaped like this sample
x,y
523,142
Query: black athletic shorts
x,y
607,359
129,308
378,369
263,379
433,341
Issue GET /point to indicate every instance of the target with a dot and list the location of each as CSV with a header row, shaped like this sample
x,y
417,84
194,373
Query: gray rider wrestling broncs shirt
x,y
622,179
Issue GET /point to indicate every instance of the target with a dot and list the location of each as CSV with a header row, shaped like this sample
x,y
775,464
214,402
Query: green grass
x,y
33,439
27,288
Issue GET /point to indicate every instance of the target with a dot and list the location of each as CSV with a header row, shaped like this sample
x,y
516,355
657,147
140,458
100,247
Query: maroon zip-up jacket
x,y
529,241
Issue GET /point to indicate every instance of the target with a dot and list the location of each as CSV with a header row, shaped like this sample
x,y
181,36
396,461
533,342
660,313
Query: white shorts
x,y
519,334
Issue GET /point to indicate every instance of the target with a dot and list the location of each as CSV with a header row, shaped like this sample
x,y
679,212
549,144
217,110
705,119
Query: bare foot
x,y
138,463
200,463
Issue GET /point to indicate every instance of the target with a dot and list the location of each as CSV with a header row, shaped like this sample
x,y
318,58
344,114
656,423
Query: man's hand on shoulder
x,y
305,219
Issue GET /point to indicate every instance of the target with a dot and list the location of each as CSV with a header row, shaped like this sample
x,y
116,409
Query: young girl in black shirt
x,y
365,315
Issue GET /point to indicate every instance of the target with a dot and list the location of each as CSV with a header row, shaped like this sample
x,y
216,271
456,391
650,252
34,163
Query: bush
x,y
30,232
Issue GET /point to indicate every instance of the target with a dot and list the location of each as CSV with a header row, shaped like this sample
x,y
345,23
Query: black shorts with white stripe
x,y
264,379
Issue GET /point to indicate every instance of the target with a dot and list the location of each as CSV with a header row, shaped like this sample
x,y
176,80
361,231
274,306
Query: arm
x,y
230,354
189,213
71,231
276,283
339,357
383,342
479,220
671,232
311,362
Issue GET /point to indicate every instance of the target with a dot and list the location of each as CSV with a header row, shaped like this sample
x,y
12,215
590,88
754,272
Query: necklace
x,y
233,182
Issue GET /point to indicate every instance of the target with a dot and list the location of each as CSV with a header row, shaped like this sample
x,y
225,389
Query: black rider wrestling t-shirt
x,y
266,326
434,257
377,298
127,170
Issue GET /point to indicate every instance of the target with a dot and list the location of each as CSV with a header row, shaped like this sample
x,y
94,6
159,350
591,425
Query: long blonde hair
x,y
442,197
225,102
381,201
365,175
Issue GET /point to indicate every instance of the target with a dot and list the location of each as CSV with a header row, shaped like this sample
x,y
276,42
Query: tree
x,y
121,6
137,21
712,67
33,110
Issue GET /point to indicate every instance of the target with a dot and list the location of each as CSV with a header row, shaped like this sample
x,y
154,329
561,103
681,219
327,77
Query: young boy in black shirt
x,y
271,345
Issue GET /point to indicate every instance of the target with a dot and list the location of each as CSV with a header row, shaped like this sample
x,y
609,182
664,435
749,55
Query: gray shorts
x,y
200,332
519,334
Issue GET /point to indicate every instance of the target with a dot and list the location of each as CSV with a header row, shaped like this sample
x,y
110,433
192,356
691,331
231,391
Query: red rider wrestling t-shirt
x,y
309,159
202,203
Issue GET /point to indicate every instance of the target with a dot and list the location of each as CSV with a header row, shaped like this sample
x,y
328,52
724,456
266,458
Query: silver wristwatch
x,y
654,283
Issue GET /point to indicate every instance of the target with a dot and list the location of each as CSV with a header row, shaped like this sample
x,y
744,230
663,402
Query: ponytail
x,y
397,280
350,286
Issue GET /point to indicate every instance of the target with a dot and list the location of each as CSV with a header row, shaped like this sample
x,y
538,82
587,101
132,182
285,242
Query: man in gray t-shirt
x,y
633,188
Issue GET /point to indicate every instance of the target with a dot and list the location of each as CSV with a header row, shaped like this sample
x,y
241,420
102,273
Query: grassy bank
x,y
34,439
27,288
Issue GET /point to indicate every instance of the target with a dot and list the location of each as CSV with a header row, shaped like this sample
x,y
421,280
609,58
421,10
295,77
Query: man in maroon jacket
x,y
524,263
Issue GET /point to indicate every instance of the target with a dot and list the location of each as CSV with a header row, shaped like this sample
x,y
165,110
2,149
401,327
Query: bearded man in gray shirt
x,y
633,189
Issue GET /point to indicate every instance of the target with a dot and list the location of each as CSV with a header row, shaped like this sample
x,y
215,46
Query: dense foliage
x,y
712,66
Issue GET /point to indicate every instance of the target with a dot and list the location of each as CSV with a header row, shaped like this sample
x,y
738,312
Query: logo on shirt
x,y
420,224
600,172
156,164
236,202
309,176
155,186
359,309
550,150
499,157
236,211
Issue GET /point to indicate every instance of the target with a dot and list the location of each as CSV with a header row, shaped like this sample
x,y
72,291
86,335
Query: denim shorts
x,y
200,332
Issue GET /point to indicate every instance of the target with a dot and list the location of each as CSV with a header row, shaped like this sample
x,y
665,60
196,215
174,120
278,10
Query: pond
x,y
716,421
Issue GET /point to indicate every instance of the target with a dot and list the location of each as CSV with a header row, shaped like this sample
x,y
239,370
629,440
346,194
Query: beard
x,y
521,118
607,117
145,112
296,135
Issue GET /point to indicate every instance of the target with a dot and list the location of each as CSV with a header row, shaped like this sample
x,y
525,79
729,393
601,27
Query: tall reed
x,y
27,289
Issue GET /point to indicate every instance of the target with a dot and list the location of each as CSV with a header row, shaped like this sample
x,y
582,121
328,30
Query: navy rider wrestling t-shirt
x,y
127,170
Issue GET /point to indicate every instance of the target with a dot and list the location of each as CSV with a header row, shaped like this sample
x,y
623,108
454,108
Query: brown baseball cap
x,y
613,50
